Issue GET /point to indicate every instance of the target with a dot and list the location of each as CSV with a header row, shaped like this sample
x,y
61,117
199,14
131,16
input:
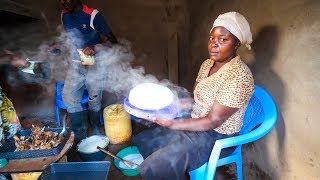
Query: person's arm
x,y
105,42
217,116
13,59
105,31
238,93
107,37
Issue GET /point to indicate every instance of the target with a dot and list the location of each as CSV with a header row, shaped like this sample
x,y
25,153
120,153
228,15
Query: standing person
x,y
222,91
87,32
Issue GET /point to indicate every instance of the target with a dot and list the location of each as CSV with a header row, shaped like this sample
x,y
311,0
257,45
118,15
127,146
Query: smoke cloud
x,y
115,63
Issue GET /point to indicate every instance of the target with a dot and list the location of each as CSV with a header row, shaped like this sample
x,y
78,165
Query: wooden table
x,y
36,164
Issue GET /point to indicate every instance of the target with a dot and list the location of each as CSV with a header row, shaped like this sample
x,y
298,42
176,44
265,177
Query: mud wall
x,y
285,61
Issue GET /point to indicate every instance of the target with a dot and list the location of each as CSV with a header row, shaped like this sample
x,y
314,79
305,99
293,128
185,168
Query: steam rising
x,y
117,74
120,76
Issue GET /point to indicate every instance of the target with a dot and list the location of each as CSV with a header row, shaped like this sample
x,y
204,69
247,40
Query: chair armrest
x,y
254,135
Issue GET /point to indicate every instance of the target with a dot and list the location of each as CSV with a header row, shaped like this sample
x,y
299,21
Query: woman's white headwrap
x,y
237,25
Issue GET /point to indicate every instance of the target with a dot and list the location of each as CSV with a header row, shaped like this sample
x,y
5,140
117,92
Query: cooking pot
x,y
88,148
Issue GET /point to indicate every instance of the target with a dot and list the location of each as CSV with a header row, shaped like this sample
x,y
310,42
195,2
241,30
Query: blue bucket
x,y
88,148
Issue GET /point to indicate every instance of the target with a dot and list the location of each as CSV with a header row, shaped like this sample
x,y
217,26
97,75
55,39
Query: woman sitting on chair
x,y
222,90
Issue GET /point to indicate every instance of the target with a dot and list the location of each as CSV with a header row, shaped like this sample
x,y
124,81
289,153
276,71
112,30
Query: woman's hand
x,y
165,123
217,116
89,51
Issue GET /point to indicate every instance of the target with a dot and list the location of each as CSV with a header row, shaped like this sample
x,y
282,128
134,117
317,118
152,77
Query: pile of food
x,y
38,139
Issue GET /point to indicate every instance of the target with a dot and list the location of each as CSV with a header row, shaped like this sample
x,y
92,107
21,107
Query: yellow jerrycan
x,y
117,124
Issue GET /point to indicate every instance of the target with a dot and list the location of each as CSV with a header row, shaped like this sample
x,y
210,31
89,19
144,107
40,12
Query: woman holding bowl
x,y
222,91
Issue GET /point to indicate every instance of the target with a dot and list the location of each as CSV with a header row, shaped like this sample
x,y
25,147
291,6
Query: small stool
x,y
59,102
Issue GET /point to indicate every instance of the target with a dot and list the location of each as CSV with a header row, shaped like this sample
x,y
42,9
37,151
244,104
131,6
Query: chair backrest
x,y
59,85
260,108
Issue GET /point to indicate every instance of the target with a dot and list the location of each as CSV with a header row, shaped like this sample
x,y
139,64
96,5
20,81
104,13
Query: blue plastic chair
x,y
259,119
59,102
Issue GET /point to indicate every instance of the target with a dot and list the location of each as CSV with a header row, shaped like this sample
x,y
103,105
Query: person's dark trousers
x,y
79,127
79,121
94,118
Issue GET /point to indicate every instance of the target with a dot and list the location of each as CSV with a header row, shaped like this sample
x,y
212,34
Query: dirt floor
x,y
73,156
